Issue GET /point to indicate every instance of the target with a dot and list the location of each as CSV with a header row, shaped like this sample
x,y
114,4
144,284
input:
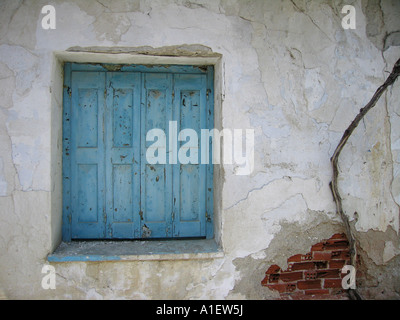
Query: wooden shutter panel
x,y
190,179
122,154
87,155
156,182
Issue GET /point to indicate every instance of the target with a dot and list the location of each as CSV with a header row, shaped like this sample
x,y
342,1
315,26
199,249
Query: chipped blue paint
x,y
190,179
122,155
87,162
110,191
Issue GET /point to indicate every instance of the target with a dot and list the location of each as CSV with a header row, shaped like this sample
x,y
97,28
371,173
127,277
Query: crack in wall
x,y
311,19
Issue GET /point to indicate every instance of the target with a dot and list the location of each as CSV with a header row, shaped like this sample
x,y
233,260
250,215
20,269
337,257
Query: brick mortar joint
x,y
316,272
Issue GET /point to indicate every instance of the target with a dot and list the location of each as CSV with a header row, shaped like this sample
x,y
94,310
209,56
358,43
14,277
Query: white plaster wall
x,y
289,71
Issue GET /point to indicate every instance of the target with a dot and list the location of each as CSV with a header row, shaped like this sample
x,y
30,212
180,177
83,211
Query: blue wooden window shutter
x,y
110,190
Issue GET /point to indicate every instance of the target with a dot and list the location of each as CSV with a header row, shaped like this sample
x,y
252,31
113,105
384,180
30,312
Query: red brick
x,y
291,276
310,284
295,258
338,239
307,256
336,244
302,266
321,264
300,257
328,273
290,287
333,283
340,255
318,247
313,275
322,255
339,236
337,264
273,269
310,275
274,277
308,265
264,282
316,292
282,287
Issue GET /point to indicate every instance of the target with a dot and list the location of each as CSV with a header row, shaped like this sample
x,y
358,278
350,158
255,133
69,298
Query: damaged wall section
x,y
316,273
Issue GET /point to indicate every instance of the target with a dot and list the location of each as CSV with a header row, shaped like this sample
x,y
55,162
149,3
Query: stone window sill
x,y
136,250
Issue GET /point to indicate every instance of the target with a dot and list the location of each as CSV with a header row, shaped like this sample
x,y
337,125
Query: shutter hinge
x,y
141,214
208,92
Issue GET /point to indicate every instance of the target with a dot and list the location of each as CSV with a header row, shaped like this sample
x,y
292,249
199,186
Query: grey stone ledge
x,y
137,250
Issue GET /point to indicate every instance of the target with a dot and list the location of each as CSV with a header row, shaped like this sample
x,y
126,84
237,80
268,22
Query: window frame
x,y
69,67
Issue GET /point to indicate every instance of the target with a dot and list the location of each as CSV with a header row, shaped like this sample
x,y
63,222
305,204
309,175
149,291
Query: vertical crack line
x,y
334,161
392,157
311,19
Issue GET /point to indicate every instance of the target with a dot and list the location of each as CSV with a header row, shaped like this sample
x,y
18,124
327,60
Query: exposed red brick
x,y
295,258
308,265
317,247
302,266
340,255
273,269
301,257
328,273
291,276
290,287
310,284
310,275
280,287
321,264
307,256
316,292
264,282
339,236
337,264
336,244
322,255
274,277
283,287
333,283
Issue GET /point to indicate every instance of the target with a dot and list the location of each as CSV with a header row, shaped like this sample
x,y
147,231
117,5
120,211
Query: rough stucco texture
x,y
290,72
